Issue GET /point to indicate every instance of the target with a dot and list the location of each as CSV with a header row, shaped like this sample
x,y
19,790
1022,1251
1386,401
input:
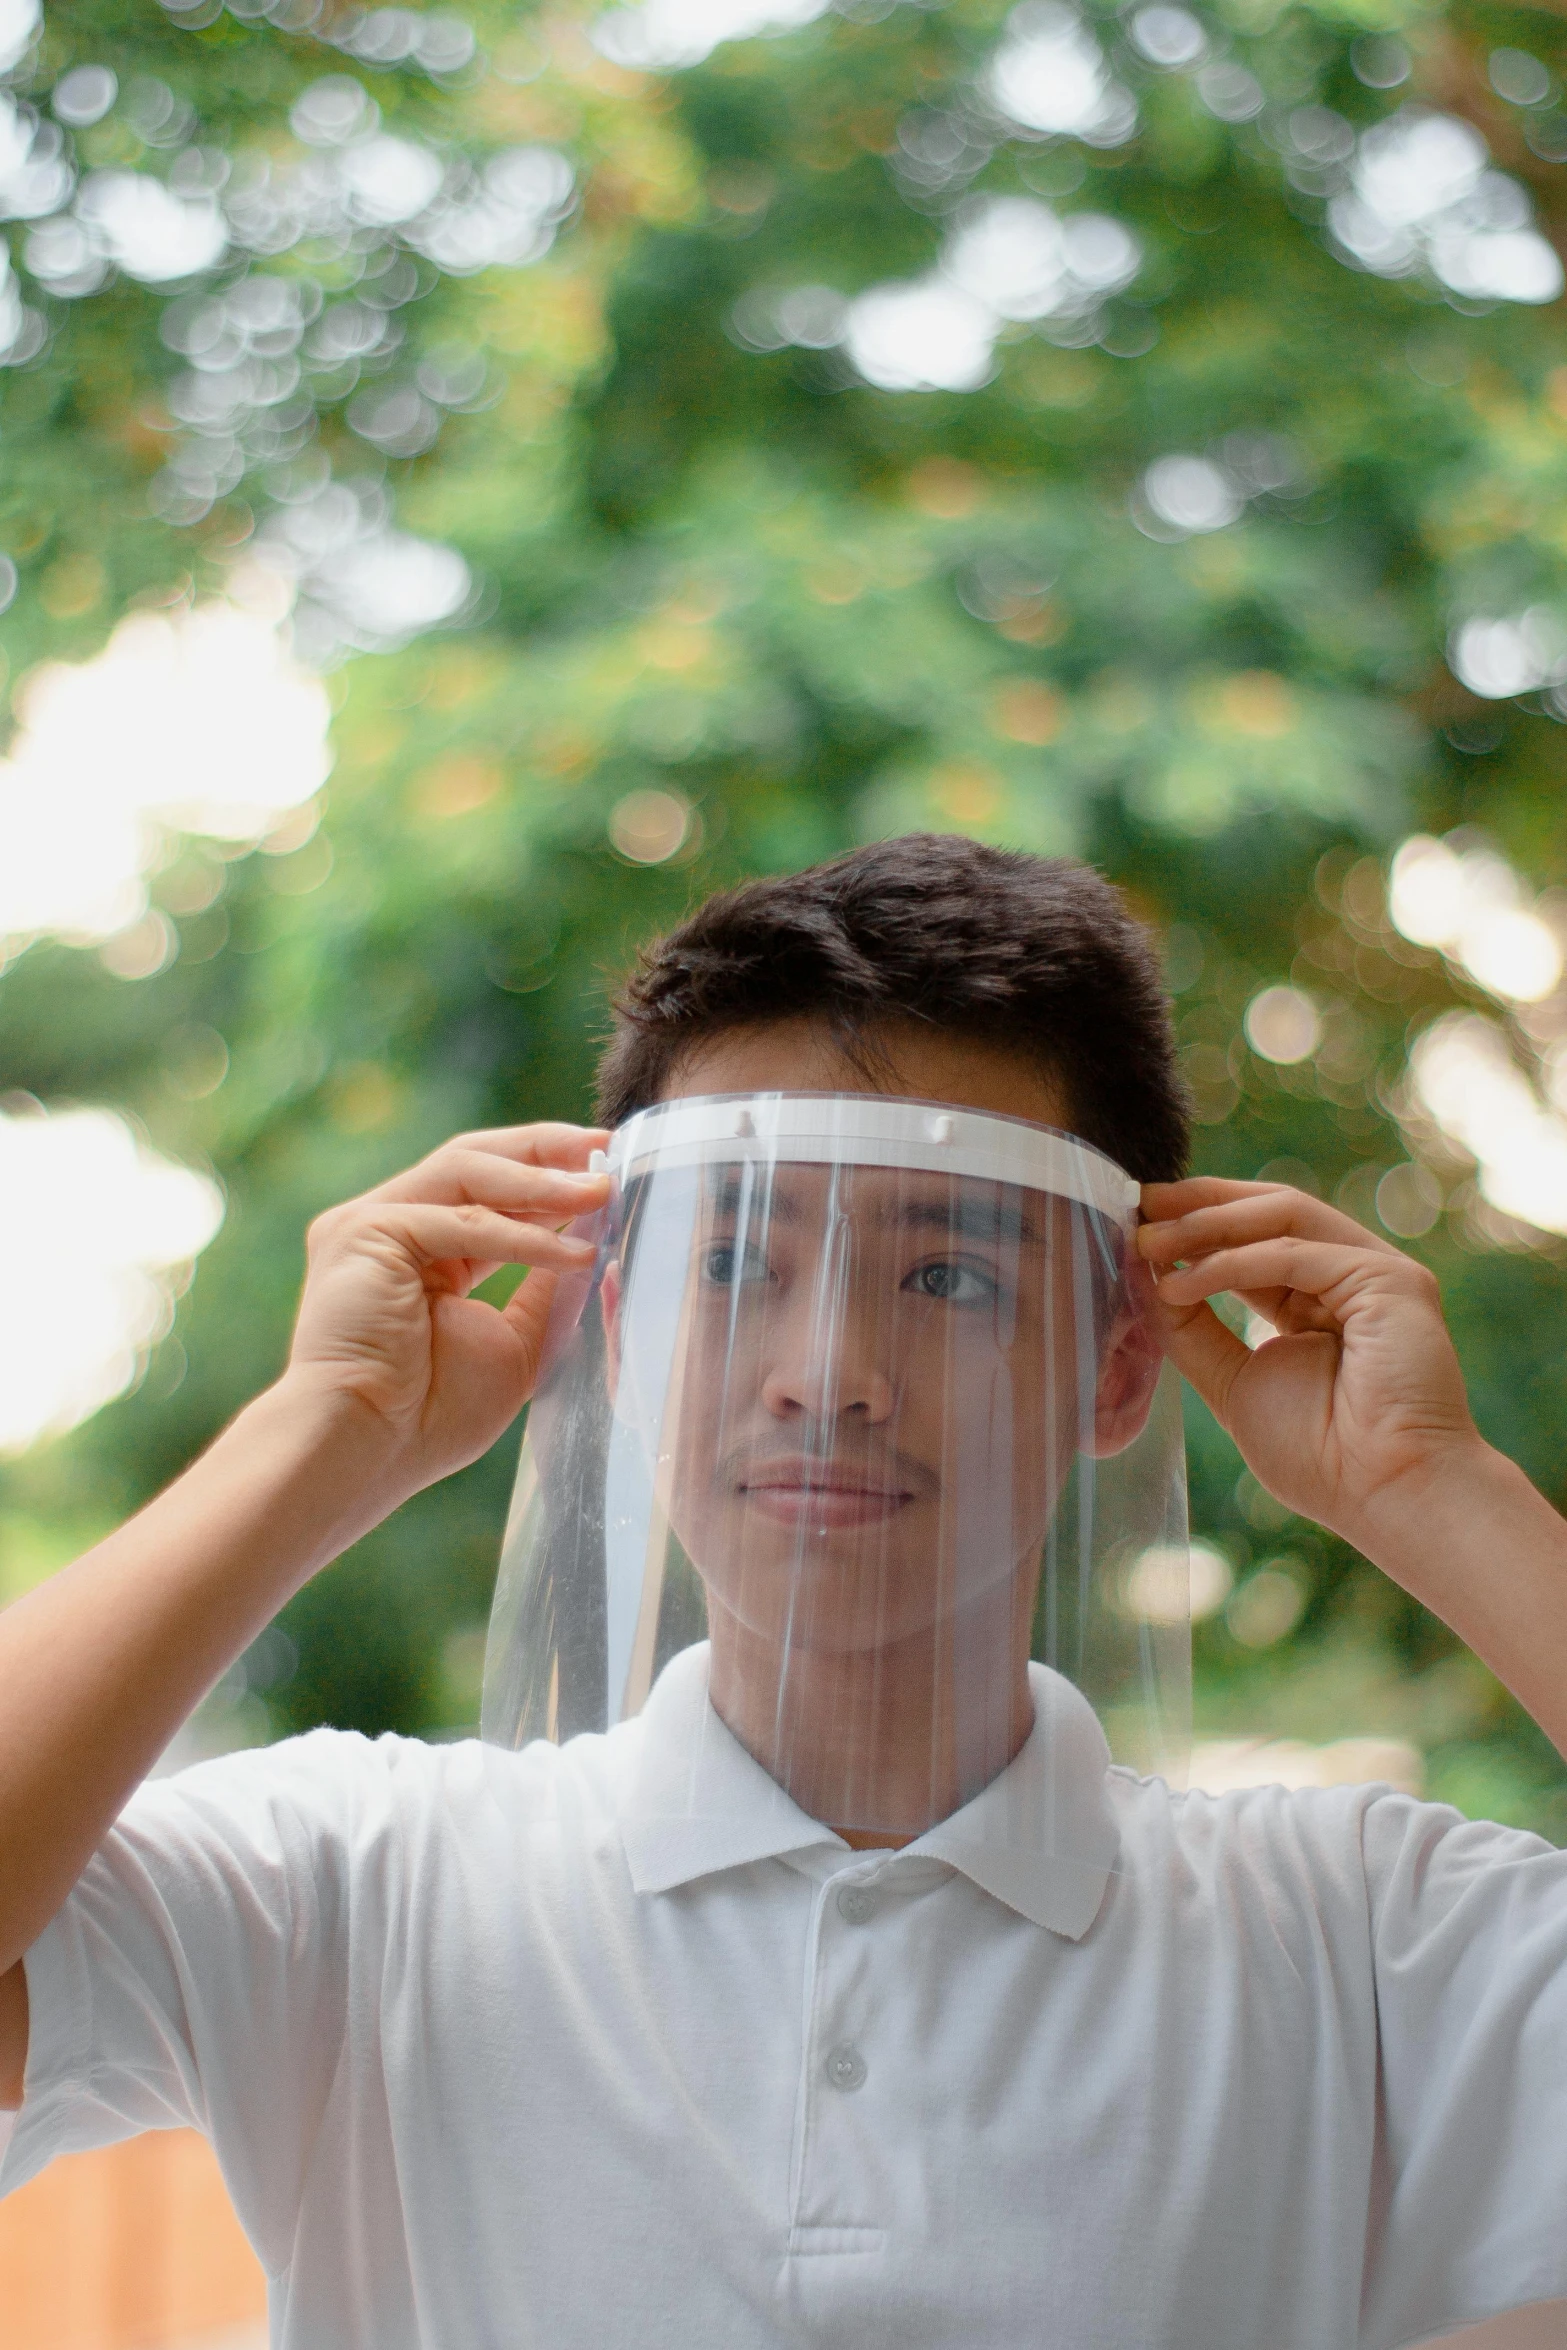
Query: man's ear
x,y
1128,1374
610,1293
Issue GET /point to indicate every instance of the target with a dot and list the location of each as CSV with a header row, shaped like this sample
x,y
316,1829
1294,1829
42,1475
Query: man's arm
x,y
397,1377
1355,1415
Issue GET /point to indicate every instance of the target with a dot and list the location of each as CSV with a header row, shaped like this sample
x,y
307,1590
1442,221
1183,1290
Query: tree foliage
x,y
723,584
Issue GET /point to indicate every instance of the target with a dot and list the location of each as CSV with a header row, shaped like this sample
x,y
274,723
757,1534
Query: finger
x,y
1205,1353
1286,1312
1255,1215
565,1150
546,1142
1163,1201
1293,1311
467,1234
527,1310
1321,1269
1266,1302
457,1173
438,1176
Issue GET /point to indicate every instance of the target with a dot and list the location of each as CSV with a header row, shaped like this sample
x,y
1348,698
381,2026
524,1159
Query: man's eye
x,y
954,1284
727,1262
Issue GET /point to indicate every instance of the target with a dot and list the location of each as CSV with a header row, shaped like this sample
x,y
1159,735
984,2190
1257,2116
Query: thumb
x,y
527,1313
1205,1353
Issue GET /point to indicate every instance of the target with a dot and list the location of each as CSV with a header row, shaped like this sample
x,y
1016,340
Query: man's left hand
x,y
1357,1406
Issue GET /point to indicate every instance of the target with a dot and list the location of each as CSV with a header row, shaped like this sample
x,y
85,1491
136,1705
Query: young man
x,y
493,2049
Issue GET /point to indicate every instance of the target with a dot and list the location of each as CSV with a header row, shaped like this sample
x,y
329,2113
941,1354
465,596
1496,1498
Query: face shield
x,y
865,1393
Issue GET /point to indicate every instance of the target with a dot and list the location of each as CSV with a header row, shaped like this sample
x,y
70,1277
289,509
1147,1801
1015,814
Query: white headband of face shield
x,y
869,1130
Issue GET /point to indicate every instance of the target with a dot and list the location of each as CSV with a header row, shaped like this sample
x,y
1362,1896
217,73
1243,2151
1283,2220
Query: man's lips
x,y
821,1494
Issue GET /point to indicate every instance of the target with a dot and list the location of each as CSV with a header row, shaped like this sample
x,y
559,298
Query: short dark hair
x,y
1037,954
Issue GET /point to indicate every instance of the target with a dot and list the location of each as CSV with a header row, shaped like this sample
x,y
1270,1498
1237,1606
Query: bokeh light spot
x,y
1420,197
1168,36
1266,1607
457,784
1171,1581
146,948
1468,902
196,1059
99,1226
1258,703
1519,77
1051,75
1409,1200
1189,495
1028,712
84,95
1466,1080
199,723
1282,1024
650,827
1222,1766
1497,658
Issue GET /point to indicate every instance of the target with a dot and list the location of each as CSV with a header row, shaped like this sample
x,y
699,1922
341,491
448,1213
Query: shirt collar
x,y
1041,1837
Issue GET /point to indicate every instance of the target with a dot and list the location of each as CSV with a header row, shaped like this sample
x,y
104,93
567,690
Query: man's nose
x,y
829,1355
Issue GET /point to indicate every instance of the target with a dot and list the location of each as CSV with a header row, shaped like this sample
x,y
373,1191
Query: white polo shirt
x,y
516,2051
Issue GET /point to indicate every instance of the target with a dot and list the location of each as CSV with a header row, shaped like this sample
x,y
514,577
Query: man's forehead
x,y
880,1199
914,1059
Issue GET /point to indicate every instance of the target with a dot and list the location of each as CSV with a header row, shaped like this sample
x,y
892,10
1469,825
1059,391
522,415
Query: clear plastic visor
x,y
866,1395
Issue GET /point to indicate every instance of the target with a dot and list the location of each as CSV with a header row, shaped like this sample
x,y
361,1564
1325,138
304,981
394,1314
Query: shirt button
x,y
857,1904
846,2066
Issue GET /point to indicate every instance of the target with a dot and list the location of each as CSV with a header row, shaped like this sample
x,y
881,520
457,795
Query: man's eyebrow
x,y
967,1219
765,1198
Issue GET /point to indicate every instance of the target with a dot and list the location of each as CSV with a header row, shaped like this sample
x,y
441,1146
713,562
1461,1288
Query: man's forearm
x,y
100,1665
1484,1550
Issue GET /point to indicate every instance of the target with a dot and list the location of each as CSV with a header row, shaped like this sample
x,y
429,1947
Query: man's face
x,y
883,1389
886,1374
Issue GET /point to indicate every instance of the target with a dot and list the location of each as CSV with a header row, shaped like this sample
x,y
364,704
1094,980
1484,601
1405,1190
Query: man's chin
x,y
826,1593
842,1591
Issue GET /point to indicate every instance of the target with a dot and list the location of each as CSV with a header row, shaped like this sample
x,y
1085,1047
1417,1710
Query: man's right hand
x,y
387,1319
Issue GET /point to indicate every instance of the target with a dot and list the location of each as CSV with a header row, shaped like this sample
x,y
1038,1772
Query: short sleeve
x,y
1469,1947
196,1975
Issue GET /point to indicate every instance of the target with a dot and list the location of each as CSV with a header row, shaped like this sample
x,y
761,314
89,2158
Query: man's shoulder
x,y
310,1766
329,1783
1369,1843
1200,1810
1271,1822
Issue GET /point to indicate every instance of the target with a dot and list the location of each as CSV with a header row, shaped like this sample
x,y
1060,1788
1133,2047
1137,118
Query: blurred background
x,y
471,482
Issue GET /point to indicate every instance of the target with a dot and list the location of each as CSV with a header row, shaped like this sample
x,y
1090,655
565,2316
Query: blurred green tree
x,y
1141,434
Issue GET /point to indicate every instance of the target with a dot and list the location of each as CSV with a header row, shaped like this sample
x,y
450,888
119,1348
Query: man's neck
x,y
880,1745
